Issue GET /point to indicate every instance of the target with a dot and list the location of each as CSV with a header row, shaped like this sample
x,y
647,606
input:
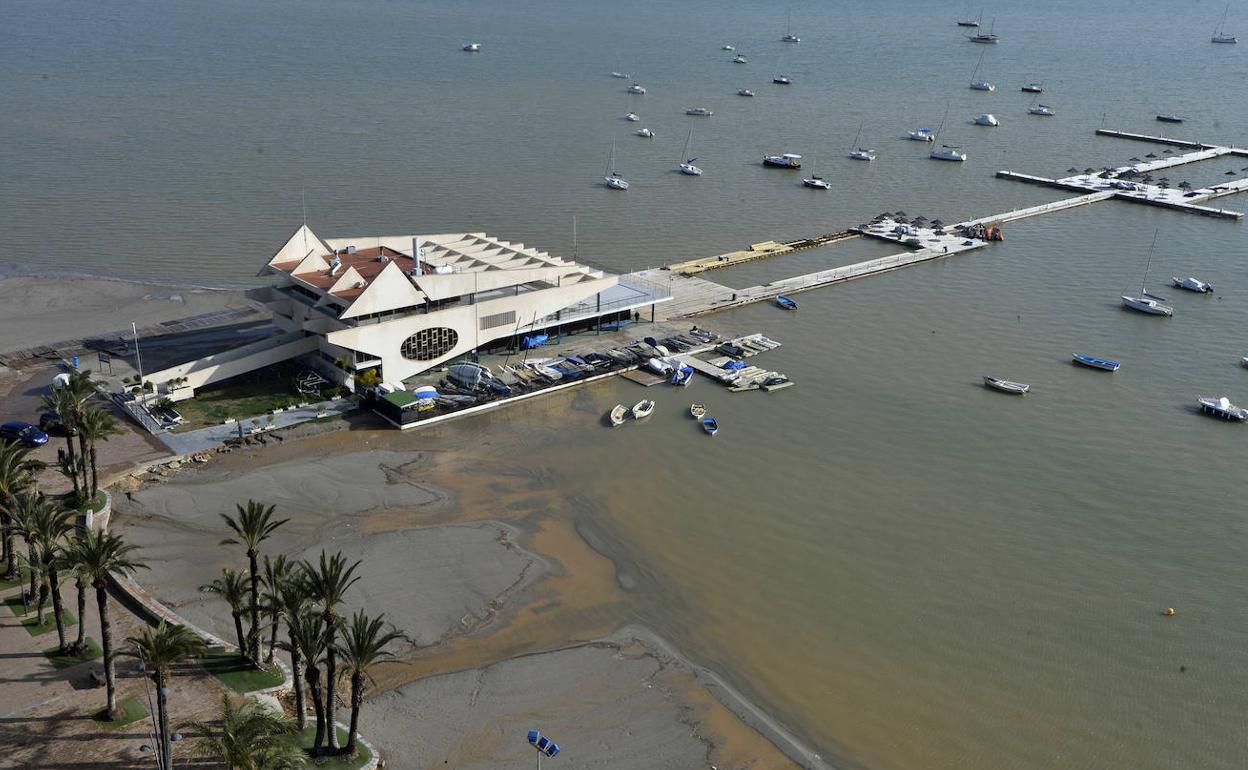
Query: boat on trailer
x,y
1092,362
1222,408
1007,386
618,414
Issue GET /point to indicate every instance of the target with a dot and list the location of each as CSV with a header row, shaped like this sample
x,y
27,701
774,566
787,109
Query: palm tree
x,y
292,601
104,554
74,560
17,475
364,644
277,572
94,425
252,527
25,519
328,584
159,649
80,389
49,524
232,587
309,640
249,736
62,401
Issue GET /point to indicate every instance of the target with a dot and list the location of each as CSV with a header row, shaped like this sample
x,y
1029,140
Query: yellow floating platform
x,y
761,250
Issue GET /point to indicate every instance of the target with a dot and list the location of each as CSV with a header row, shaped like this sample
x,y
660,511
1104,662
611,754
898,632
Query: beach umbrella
x,y
1185,184
1089,170
1150,155
900,213
1072,170
1230,173
1166,152
938,223
1137,160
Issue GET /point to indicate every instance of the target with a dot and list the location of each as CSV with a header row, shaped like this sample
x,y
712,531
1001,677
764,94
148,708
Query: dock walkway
x,y
757,251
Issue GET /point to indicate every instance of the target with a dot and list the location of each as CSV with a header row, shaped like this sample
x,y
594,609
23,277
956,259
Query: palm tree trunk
x,y
106,641
301,709
6,523
357,700
277,623
72,457
238,631
253,638
331,674
82,461
43,599
95,479
312,675
34,573
55,584
162,723
80,645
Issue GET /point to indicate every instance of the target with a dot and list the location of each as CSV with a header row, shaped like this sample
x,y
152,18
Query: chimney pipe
x,y
416,256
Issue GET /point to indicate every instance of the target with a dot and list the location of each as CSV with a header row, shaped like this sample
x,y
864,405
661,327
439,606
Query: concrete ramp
x,y
240,360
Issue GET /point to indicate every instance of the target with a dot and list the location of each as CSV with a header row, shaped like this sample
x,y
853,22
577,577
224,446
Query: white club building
x,y
404,304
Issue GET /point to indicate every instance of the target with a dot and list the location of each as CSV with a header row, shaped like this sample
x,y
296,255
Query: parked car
x,y
28,434
50,422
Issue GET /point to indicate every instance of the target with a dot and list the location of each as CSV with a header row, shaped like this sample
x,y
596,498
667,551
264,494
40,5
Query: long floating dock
x,y
758,251
693,296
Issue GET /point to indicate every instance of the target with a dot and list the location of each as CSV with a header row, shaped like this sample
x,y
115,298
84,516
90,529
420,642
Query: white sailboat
x,y
1146,302
989,37
1219,34
780,78
976,83
789,37
686,164
858,153
815,181
946,151
986,119
1041,109
612,179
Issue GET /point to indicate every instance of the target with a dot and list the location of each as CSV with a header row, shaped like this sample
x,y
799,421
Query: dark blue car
x,y
24,432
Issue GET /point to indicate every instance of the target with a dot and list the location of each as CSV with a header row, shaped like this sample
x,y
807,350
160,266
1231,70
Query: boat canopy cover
x,y
533,341
734,364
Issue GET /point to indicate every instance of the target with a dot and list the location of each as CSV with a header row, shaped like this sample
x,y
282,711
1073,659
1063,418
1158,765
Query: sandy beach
x,y
518,622
38,310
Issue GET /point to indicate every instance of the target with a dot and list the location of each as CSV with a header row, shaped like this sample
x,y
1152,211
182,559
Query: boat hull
x,y
1092,362
1007,386
1147,306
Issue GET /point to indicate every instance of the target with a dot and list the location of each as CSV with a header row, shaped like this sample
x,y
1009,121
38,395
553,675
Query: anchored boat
x,y
786,160
1007,386
697,411
786,302
1222,408
618,415
643,409
710,425
1092,362
1192,284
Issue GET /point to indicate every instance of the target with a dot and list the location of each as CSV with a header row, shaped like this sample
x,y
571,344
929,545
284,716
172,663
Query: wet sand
x,y
38,310
518,621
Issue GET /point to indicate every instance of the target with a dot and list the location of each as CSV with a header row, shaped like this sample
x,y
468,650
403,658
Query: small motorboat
x,y
948,152
922,135
727,48
1222,408
785,160
635,88
618,414
545,371
1146,306
697,411
615,181
982,85
817,182
620,75
643,409
682,376
1042,109
1007,386
782,80
1092,362
790,39
1192,284
739,59
700,112
786,302
968,23
987,119
660,367
645,133
632,117
744,92
1169,118
1243,361
710,425
1032,88
472,47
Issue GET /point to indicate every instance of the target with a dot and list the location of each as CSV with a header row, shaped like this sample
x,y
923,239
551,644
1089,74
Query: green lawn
x,y
132,711
59,661
23,576
244,398
30,619
361,758
237,674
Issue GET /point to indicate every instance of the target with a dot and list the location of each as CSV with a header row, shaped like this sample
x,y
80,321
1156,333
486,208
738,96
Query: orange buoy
x,y
1168,611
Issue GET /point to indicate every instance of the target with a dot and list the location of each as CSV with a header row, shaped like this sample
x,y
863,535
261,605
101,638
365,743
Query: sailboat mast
x,y
856,136
684,158
1148,264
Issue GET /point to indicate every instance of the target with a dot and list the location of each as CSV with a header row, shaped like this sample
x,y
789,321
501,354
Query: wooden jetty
x,y
756,251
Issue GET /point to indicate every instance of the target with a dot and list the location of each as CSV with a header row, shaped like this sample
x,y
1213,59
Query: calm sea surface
x,y
908,570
